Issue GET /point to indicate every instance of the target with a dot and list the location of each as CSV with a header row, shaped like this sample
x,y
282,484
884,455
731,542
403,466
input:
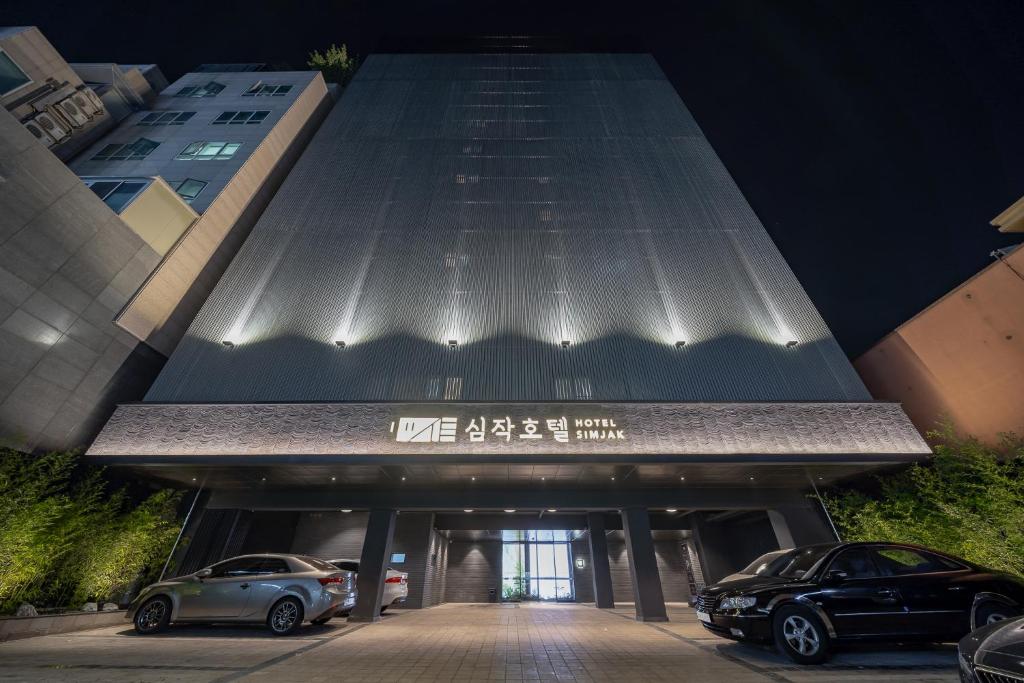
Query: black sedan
x,y
993,653
808,598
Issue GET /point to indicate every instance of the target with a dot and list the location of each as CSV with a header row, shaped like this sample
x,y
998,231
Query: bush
x,y
335,64
64,541
968,501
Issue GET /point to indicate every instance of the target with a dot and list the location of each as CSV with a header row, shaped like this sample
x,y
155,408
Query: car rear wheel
x,y
285,617
800,635
153,616
991,612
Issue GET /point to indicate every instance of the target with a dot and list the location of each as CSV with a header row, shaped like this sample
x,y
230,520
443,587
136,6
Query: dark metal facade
x,y
509,203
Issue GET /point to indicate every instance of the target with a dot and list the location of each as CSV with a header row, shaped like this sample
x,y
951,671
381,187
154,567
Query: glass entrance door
x,y
537,565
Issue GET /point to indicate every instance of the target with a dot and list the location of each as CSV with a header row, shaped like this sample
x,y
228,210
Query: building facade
x,y
117,220
960,362
507,308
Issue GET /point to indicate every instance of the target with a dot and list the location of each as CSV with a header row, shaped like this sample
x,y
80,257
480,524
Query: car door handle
x,y
244,586
887,594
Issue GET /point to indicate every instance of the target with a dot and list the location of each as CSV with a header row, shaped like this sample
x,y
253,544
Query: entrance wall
x,y
474,568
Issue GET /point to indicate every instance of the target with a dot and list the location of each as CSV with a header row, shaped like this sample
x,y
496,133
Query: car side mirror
x,y
835,577
204,573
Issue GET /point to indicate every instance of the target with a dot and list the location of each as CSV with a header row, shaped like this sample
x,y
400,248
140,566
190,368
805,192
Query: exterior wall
x,y
30,49
961,359
474,568
237,194
159,216
331,535
67,265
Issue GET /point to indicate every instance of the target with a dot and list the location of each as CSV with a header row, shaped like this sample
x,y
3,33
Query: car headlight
x,y
738,602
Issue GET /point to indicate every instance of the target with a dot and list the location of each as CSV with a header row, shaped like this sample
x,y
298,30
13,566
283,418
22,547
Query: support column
x,y
373,565
643,566
602,573
712,543
795,526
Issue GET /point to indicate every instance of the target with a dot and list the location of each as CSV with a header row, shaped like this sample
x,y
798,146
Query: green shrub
x,y
967,500
64,540
335,64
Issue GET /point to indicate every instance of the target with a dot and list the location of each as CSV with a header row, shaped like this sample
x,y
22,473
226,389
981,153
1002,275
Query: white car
x,y
281,591
396,585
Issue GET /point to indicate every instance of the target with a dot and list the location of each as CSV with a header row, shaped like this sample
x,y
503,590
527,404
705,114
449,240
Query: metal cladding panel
x,y
509,202
862,432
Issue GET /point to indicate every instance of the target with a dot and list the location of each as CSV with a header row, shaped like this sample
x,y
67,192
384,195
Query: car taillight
x,y
393,579
328,580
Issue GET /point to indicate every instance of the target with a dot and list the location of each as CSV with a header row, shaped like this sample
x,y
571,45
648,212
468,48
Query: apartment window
x,y
116,193
188,189
261,89
209,90
240,117
209,150
132,151
11,75
166,118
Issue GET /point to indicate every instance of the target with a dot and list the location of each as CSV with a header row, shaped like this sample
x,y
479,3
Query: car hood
x,y
744,583
1003,647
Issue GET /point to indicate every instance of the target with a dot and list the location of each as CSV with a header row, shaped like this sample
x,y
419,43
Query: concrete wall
x,y
159,216
474,567
67,265
961,359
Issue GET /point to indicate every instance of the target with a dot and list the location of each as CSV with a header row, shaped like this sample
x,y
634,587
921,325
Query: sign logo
x,y
505,429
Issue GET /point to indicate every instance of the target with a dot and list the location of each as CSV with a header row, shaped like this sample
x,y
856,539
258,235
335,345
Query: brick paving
x,y
455,642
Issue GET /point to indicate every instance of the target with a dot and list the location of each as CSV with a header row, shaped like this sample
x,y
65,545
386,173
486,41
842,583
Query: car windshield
x,y
788,564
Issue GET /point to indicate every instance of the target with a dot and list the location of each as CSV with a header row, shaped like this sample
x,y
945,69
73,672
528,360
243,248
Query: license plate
x,y
704,616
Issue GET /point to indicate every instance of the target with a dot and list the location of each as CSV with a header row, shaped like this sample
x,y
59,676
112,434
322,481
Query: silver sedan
x,y
279,590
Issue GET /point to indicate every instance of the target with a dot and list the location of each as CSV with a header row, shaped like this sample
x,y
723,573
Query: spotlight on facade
x,y
228,343
791,343
566,343
452,343
681,343
340,343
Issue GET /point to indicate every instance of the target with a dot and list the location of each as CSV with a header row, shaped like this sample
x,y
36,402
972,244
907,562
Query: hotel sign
x,y
505,429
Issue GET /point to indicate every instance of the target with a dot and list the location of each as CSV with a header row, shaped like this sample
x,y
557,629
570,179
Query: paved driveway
x,y
453,642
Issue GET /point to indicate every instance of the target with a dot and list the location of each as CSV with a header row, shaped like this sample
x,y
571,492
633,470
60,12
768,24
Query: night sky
x,y
874,139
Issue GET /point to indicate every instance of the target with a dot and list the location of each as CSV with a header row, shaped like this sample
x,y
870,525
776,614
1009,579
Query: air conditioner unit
x,y
94,98
72,113
41,135
46,101
52,126
84,104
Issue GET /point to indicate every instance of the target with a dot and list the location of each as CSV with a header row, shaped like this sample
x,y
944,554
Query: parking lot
x,y
460,642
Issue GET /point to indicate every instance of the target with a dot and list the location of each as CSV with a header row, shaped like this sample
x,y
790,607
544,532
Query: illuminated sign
x,y
560,429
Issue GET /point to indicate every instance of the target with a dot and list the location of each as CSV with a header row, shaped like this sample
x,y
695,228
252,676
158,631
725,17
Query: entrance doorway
x,y
537,565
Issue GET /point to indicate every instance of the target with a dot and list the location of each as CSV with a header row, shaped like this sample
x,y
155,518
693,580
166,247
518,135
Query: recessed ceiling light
x,y
613,478
472,478
264,479
509,510
403,478
334,479
552,510
468,510
543,478
346,511
671,510
193,478
682,478
751,477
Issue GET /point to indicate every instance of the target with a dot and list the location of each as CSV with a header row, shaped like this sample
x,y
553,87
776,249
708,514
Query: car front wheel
x,y
800,635
991,612
153,616
285,617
